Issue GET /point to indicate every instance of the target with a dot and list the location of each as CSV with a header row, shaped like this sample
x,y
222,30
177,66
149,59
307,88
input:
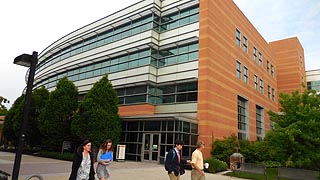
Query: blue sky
x,y
279,19
33,25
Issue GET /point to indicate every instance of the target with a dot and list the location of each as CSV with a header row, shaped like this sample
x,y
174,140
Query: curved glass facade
x,y
148,60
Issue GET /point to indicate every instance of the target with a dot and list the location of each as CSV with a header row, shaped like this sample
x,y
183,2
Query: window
x,y
256,82
269,91
184,92
238,37
238,69
268,67
245,75
245,44
261,86
255,54
259,122
178,54
273,95
177,19
272,70
242,118
309,87
132,95
260,59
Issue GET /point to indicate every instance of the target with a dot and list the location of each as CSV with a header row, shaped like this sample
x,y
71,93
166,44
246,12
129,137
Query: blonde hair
x,y
200,143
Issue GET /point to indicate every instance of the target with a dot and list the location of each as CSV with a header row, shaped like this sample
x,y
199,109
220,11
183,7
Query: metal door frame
x,y
150,150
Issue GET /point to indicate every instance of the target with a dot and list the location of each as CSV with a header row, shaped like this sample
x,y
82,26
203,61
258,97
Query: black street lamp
x,y
31,62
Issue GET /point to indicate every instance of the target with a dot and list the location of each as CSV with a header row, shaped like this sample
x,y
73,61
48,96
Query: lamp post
x,y
31,62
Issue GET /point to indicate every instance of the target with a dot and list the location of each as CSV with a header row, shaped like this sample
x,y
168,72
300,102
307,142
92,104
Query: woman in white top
x,y
82,166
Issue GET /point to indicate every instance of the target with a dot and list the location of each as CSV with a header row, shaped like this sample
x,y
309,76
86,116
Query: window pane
x,y
135,99
166,89
136,90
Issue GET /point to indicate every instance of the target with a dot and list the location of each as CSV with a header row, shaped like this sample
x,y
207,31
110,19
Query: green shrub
x,y
271,164
216,165
223,149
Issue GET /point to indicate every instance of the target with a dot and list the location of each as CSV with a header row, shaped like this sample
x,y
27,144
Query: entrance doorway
x,y
151,147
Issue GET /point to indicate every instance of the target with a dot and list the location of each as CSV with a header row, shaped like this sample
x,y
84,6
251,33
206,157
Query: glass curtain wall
x,y
169,130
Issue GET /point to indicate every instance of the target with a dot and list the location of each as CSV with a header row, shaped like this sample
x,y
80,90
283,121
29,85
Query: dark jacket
x,y
172,163
76,164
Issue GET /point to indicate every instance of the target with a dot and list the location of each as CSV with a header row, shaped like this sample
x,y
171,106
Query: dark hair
x,y
80,148
179,142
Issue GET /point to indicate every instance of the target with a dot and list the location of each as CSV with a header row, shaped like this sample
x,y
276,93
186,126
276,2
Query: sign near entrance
x,y
121,151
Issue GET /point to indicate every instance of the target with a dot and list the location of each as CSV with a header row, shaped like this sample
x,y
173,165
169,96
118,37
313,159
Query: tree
x,y
11,124
3,109
55,118
97,117
14,117
296,136
38,101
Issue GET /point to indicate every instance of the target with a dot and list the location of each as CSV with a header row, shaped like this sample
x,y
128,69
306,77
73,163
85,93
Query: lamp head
x,y
23,60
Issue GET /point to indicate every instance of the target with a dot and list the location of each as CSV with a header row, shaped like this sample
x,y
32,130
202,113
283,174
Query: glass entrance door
x,y
151,147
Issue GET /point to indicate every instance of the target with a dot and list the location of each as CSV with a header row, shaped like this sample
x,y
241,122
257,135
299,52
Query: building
x,y
313,79
184,69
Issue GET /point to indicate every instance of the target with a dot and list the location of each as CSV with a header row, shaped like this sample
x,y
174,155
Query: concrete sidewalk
x,y
51,169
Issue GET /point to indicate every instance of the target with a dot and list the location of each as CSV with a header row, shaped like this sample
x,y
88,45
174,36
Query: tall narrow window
x,y
268,67
260,59
242,118
245,44
255,54
238,69
245,75
272,70
238,37
269,92
259,123
261,86
309,85
273,94
256,82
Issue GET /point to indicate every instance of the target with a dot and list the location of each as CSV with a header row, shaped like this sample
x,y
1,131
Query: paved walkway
x,y
51,169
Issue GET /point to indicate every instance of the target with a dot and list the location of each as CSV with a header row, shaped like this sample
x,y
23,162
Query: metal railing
x,y
4,175
34,176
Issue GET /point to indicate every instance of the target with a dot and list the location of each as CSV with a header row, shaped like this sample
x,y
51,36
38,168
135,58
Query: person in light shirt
x,y
197,172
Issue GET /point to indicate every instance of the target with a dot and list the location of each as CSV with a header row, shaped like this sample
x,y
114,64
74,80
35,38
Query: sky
x,y
32,25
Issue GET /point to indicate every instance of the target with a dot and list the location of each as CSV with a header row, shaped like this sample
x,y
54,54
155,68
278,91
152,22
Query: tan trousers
x,y
174,177
195,175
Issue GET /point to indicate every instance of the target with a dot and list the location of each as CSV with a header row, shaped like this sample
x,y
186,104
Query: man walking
x,y
174,163
197,172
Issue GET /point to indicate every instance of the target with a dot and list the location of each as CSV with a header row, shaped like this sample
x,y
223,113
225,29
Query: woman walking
x,y
82,166
104,159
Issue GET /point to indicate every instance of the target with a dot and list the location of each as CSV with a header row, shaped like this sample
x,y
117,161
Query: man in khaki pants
x,y
197,172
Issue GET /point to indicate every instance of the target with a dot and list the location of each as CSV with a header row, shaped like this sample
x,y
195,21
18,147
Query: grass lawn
x,y
271,175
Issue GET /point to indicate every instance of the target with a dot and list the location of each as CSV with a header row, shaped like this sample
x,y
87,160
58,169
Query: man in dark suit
x,y
174,163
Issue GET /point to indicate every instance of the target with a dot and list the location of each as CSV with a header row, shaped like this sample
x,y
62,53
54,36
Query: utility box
x,y
236,159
